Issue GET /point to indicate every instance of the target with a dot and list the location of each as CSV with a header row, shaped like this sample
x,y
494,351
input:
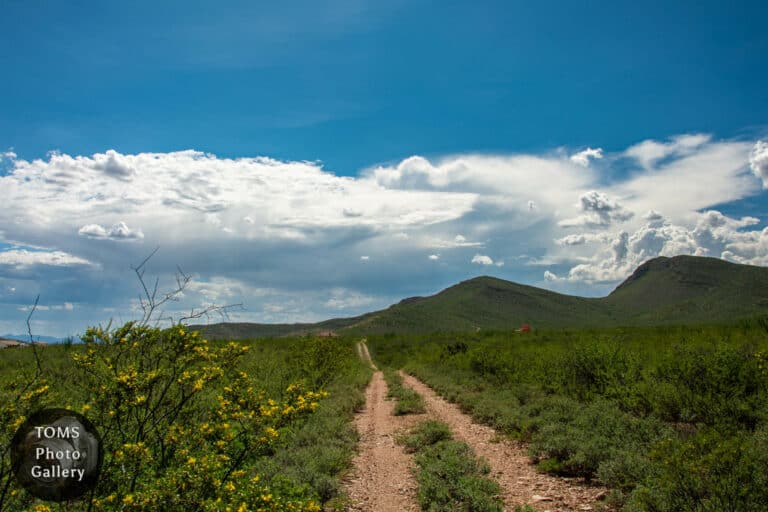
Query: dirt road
x,y
362,352
383,478
510,466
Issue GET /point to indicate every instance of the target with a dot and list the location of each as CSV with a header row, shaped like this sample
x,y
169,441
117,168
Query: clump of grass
x,y
408,401
425,434
449,475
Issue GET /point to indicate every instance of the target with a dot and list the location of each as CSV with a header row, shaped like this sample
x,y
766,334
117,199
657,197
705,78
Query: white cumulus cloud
x,y
582,158
711,234
113,164
581,239
119,232
482,259
599,210
550,276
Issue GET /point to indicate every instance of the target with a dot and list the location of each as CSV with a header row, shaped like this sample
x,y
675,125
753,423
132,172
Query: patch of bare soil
x,y
510,465
383,478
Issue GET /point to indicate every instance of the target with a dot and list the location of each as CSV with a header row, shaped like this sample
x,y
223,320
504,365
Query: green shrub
x,y
714,385
600,370
707,472
596,439
450,478
426,433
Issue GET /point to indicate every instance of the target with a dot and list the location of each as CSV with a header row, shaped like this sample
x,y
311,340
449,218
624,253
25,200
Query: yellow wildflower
x,y
17,423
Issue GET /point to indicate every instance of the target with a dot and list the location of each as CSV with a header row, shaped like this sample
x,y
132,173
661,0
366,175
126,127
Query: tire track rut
x,y
510,465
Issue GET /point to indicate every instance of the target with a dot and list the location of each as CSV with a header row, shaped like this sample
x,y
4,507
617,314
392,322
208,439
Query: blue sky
x,y
404,145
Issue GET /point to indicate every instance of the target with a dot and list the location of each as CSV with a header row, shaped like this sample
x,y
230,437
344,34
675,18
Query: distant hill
x,y
235,330
678,290
25,338
9,343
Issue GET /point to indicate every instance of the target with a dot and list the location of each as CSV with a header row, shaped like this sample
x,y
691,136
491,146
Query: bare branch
x,y
151,303
29,319
143,263
206,312
31,338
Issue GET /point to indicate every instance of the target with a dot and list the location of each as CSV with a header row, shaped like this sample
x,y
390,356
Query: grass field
x,y
670,418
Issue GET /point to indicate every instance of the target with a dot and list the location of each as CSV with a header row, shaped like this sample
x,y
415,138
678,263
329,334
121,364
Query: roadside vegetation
x,y
670,418
450,477
192,425
407,400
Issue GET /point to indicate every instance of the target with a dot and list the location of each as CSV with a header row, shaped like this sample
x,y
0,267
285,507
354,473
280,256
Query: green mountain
x,y
691,289
485,303
679,290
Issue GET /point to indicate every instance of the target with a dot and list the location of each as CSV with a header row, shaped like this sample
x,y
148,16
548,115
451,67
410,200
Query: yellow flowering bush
x,y
181,426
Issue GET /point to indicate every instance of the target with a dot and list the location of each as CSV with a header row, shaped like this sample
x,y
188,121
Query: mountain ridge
x,y
662,290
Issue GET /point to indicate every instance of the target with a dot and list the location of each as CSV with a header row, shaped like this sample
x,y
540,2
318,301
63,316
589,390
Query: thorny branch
x,y
32,339
151,303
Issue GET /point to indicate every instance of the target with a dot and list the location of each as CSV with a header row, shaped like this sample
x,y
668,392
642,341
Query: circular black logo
x,y
56,455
